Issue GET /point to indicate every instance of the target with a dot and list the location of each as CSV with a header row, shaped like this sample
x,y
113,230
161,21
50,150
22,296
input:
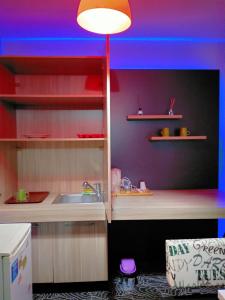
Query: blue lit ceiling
x,y
198,19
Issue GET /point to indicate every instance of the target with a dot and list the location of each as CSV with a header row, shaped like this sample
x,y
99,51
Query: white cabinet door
x,y
80,252
42,258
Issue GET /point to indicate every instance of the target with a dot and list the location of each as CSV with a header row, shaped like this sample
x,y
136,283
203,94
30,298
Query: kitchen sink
x,y
76,198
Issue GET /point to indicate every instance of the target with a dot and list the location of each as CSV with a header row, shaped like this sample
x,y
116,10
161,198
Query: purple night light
x,y
127,266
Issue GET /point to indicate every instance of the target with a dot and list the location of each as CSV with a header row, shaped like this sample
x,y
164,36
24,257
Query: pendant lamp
x,y
104,16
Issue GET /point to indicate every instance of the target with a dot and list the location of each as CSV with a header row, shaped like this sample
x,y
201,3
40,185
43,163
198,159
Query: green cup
x,y
21,195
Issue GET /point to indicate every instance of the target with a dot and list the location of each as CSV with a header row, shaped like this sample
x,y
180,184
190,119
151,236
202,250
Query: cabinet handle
x,y
70,224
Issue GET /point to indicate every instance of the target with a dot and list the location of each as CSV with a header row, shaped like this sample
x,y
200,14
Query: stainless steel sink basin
x,y
76,198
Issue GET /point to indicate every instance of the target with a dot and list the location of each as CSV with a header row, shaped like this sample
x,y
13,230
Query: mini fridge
x,y
15,262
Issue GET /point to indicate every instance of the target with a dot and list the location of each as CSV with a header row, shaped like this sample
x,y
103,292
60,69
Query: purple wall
x,y
172,164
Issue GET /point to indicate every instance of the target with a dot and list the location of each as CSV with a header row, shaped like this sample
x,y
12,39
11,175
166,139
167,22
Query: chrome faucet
x,y
96,189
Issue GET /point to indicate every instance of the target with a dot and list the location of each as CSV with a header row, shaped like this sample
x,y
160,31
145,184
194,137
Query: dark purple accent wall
x,y
171,164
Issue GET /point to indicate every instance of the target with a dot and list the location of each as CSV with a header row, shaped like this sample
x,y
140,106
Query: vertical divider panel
x,y
7,81
106,127
7,112
8,170
8,161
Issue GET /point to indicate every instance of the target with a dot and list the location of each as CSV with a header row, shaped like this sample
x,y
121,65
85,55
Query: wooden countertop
x,y
162,205
48,212
170,204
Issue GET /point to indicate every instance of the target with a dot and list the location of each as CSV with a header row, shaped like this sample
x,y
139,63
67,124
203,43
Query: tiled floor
x,y
151,286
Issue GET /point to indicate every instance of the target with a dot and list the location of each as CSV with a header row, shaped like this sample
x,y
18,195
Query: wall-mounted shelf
x,y
57,142
177,138
153,117
89,101
52,140
44,65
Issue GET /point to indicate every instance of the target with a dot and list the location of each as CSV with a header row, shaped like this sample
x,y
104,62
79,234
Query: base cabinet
x,y
80,252
70,252
42,252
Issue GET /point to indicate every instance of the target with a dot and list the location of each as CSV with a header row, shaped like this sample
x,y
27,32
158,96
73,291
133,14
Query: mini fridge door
x,y
1,279
17,272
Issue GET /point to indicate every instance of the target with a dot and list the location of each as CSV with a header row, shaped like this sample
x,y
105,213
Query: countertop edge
x,y
49,212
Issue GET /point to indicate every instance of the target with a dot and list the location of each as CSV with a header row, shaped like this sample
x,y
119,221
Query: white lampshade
x,y
104,16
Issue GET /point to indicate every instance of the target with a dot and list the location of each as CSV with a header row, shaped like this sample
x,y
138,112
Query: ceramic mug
x,y
142,186
21,195
165,131
184,131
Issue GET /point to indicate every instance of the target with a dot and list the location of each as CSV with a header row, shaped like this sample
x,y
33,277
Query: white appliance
x,y
15,262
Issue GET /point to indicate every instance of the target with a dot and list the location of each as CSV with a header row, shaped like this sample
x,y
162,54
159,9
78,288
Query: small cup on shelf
x,y
165,131
184,131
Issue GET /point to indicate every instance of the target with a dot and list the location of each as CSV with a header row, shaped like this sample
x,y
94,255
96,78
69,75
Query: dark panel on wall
x,y
171,164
